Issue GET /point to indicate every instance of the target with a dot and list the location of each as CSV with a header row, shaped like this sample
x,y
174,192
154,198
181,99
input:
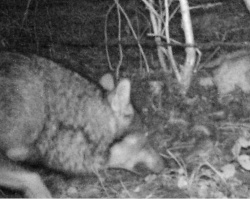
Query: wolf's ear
x,y
120,99
107,82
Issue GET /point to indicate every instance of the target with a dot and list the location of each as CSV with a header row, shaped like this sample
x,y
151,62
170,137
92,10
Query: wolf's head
x,y
134,147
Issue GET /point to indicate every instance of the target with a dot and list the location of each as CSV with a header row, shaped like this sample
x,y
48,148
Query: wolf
x,y
230,72
52,116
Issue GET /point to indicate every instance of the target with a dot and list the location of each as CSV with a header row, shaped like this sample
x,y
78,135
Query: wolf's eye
x,y
128,115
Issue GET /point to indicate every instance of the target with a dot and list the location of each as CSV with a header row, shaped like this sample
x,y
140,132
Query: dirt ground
x,y
200,138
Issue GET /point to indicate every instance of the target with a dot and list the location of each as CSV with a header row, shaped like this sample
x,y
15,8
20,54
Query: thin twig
x,y
106,36
119,39
136,37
